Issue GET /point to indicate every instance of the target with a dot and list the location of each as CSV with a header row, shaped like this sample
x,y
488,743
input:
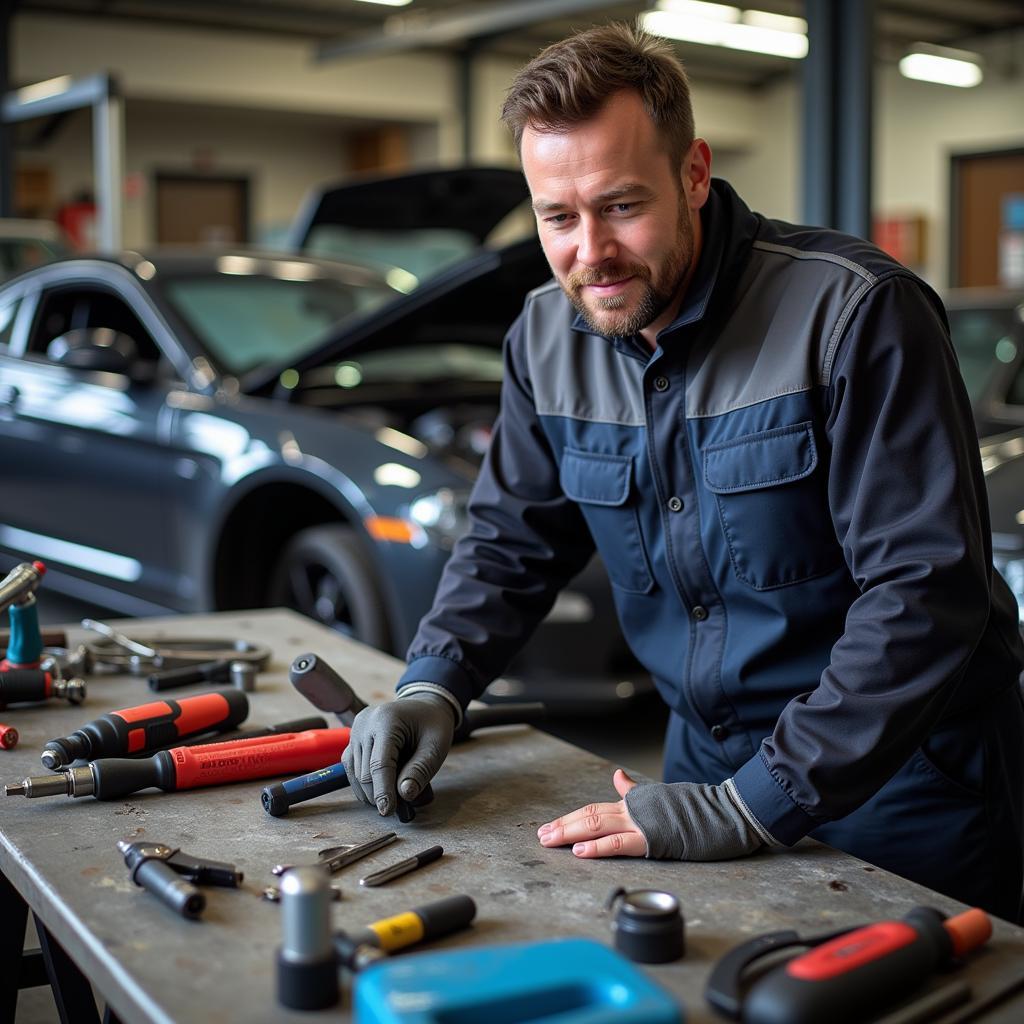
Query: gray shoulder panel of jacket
x,y
577,375
790,308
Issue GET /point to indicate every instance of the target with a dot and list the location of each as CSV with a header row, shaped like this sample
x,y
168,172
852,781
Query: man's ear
x,y
696,174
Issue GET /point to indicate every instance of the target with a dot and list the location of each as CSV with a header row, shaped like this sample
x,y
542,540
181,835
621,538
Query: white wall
x,y
918,127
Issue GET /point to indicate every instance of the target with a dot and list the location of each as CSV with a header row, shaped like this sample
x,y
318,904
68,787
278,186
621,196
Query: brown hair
x,y
569,81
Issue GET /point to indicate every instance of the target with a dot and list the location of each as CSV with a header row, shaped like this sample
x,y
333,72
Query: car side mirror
x,y
100,349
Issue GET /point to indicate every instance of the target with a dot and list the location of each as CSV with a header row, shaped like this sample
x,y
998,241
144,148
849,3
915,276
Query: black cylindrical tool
x,y
324,688
207,672
31,685
307,967
148,727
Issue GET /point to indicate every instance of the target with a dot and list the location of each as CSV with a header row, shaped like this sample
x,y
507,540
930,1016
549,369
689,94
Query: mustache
x,y
582,278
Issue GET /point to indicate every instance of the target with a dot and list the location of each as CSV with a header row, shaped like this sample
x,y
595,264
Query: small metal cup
x,y
648,925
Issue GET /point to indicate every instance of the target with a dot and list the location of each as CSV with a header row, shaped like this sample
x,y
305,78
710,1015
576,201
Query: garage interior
x,y
341,166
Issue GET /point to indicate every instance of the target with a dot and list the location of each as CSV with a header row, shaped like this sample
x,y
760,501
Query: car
x,y
987,328
196,431
27,243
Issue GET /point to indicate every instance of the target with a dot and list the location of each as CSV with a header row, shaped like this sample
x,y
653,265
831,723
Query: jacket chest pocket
x,y
773,506
601,485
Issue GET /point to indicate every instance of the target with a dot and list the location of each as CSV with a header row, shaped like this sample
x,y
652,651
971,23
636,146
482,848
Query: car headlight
x,y
442,515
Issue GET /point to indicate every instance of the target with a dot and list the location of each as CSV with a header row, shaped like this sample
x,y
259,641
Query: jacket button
x,y
699,612
661,383
718,733
675,504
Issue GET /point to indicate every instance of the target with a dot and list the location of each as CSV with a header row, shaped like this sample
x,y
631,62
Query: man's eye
x,y
623,207
558,218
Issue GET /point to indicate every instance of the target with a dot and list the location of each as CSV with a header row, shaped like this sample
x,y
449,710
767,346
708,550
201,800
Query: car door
x,y
89,480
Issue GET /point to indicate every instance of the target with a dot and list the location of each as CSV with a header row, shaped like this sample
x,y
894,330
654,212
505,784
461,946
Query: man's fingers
x,y
621,844
582,813
591,826
351,760
419,769
383,766
622,782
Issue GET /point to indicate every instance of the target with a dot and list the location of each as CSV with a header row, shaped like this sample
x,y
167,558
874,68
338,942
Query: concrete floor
x,y
630,738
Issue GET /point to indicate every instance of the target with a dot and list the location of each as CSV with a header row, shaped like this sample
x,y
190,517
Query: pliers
x,y
172,876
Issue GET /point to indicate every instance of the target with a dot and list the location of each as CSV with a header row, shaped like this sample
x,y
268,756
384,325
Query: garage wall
x,y
920,126
755,136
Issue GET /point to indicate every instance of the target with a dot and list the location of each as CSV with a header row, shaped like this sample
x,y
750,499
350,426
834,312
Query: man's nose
x,y
596,242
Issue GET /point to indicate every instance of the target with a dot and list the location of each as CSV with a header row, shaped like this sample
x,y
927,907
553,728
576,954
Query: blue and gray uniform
x,y
788,497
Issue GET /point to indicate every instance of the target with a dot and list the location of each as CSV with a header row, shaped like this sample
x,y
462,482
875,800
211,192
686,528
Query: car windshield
x,y
982,339
248,320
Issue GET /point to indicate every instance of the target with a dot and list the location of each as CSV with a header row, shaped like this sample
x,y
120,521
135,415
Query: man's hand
x,y
676,821
403,742
598,830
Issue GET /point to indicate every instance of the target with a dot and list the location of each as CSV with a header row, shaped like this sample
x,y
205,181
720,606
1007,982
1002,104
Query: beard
x,y
619,316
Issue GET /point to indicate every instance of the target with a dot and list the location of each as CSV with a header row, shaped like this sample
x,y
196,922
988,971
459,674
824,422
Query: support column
x,y
838,87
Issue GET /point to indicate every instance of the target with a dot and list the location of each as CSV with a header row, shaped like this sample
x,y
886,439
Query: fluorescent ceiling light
x,y
672,21
388,3
927,63
700,9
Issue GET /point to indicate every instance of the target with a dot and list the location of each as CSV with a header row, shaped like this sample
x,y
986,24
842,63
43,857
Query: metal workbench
x,y
150,965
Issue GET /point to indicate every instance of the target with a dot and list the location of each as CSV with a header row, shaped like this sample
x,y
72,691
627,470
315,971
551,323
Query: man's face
x,y
619,225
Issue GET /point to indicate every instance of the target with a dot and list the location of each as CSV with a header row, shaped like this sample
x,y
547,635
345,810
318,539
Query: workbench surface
x,y
492,794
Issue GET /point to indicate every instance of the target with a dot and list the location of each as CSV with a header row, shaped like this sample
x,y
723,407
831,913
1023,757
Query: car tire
x,y
325,573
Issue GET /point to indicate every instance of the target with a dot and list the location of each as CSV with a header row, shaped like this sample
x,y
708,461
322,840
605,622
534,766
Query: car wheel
x,y
325,573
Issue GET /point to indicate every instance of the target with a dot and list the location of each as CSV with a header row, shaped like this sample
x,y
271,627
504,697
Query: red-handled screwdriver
x,y
148,727
863,972
192,767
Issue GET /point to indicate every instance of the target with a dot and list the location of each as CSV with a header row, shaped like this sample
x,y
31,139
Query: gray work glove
x,y
405,740
693,821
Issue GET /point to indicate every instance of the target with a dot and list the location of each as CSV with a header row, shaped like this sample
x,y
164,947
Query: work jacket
x,y
787,494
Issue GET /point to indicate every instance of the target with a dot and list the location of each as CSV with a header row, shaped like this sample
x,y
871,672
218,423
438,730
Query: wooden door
x,y
201,210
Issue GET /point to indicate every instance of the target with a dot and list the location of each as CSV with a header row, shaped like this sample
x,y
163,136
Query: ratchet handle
x,y
148,727
500,714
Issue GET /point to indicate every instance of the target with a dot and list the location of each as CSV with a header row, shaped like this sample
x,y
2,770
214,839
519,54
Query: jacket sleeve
x,y
525,541
908,505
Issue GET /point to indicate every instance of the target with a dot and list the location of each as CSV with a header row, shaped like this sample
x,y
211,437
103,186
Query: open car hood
x,y
469,199
477,299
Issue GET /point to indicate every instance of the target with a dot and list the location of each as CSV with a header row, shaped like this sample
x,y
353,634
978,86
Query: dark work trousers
x,y
951,819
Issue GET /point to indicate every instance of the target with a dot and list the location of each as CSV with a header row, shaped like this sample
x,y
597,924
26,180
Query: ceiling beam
x,y
414,32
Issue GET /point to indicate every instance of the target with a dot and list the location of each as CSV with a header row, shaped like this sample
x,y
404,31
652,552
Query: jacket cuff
x,y
769,803
411,689
443,672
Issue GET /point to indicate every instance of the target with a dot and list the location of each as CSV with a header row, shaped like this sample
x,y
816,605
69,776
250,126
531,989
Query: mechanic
x,y
763,430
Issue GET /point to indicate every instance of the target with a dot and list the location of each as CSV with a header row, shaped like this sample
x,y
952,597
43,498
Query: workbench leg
x,y
71,991
14,918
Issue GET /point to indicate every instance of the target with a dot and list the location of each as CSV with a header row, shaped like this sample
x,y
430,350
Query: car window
x,y
18,254
246,320
421,252
983,338
62,310
8,316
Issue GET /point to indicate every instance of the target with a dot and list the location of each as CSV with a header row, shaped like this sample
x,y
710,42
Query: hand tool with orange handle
x,y
147,727
212,764
847,977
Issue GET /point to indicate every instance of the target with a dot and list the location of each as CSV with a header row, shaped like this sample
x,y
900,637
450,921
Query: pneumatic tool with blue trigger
x,y
327,691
